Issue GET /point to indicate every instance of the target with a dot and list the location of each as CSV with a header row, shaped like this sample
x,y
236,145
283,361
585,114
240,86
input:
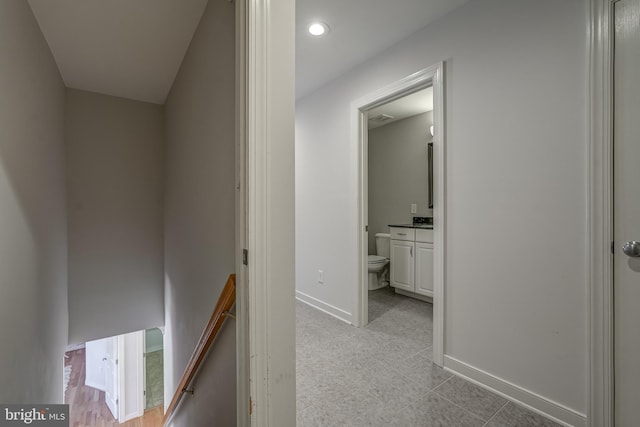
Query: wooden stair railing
x,y
220,312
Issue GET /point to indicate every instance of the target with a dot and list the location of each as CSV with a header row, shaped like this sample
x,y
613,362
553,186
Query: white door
x,y
424,269
402,265
111,375
94,364
627,212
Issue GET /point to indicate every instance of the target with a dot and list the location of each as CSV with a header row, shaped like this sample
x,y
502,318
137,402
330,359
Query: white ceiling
x,y
359,30
402,108
134,48
127,48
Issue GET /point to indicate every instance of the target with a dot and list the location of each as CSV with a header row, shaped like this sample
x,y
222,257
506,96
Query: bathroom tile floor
x,y
383,375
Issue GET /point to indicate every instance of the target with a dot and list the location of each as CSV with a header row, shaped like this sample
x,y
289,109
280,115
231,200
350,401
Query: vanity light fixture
x,y
318,29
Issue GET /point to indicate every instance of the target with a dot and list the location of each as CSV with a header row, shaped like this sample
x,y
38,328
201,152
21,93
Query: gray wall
x,y
511,66
115,188
33,226
398,173
200,216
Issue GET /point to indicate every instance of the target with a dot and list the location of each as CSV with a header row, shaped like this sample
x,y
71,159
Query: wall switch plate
x,y
320,276
414,208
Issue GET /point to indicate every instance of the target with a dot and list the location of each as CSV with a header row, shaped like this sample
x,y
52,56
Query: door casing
x,y
265,212
599,191
599,216
431,76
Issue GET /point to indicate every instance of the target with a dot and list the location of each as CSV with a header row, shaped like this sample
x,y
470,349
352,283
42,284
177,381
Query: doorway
x,y
626,212
614,210
104,384
431,77
153,368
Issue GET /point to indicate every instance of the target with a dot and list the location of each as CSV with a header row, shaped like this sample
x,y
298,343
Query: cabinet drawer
x,y
399,233
424,235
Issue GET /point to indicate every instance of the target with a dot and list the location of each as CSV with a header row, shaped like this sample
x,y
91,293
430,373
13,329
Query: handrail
x,y
221,310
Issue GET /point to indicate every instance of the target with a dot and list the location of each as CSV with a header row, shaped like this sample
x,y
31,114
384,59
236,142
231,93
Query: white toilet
x,y
379,264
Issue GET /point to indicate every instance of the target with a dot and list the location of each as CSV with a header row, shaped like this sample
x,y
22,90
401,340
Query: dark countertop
x,y
423,226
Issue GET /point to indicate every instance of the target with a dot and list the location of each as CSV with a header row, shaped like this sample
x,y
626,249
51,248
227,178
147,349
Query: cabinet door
x,y
424,269
402,264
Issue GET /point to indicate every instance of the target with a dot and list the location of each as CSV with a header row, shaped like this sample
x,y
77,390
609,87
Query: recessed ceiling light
x,y
318,29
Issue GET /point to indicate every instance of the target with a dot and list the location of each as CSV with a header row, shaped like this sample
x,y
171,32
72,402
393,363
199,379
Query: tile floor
x,y
383,375
155,379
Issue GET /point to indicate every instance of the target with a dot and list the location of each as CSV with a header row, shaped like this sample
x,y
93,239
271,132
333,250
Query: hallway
x,y
383,374
87,407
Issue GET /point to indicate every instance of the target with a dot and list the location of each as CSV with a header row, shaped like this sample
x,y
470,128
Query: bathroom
x,y
367,371
400,211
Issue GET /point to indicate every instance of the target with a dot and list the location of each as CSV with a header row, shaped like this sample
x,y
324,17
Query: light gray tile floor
x,y
383,375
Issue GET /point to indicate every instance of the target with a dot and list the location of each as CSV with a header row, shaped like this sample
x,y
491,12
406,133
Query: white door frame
x,y
130,407
265,216
256,25
112,360
433,75
600,223
242,298
144,369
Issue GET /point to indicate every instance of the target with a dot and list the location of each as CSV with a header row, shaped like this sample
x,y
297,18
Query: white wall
x,y
115,187
33,229
200,216
515,179
398,173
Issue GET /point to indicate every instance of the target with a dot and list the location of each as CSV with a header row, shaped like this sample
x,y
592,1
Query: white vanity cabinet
x,y
412,261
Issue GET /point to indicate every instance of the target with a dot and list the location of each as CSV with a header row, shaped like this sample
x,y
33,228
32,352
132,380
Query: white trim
x,y
153,349
424,298
144,369
242,303
360,139
533,401
439,211
331,310
94,385
599,216
139,408
433,75
131,344
73,347
121,396
269,125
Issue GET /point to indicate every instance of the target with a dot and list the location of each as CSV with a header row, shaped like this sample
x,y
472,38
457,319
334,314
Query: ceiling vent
x,y
381,118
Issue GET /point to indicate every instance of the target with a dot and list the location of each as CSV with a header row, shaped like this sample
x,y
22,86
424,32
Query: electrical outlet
x,y
414,208
320,276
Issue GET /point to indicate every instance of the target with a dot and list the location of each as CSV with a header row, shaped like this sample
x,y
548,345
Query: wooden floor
x,y
87,406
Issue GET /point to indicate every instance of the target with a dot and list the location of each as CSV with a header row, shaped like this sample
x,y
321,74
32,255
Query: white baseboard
x,y
135,414
323,306
424,298
154,348
94,385
73,347
539,404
